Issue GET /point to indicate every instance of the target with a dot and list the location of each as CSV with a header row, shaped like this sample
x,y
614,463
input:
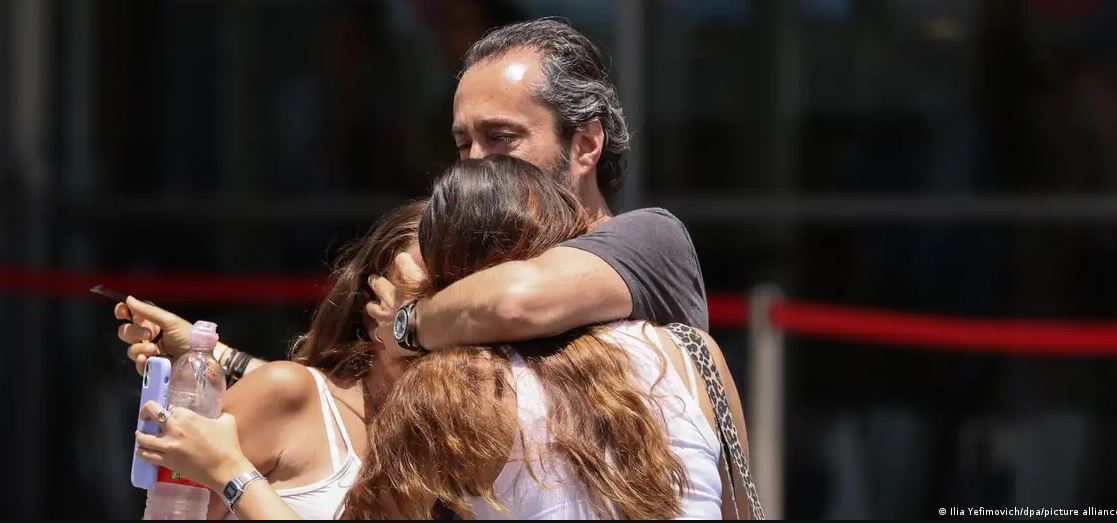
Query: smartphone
x,y
156,383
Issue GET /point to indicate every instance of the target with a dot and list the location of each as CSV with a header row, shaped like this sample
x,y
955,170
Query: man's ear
x,y
586,147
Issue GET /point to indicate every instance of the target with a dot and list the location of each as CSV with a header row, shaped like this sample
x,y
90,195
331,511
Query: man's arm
x,y
639,265
562,289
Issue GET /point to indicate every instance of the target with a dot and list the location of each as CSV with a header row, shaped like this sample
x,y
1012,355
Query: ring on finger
x,y
164,415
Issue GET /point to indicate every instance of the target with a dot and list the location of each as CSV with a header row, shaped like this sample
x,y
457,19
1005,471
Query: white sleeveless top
x,y
557,495
323,499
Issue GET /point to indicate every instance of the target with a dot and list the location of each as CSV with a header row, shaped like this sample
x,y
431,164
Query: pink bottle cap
x,y
204,334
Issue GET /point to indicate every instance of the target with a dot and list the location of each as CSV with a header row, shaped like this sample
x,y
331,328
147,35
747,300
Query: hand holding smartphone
x,y
155,386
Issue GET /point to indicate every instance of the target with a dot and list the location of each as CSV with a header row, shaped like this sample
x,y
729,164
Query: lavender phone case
x,y
156,382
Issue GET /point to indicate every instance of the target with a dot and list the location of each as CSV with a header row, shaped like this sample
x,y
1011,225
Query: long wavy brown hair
x,y
450,423
336,341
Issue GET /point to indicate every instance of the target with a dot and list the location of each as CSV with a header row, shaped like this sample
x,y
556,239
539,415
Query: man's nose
x,y
477,151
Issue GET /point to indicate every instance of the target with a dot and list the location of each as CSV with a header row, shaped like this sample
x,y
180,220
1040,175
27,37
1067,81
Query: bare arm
x,y
266,404
639,265
560,290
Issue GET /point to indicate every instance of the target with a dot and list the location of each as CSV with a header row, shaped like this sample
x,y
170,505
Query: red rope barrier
x,y
1020,337
170,288
728,310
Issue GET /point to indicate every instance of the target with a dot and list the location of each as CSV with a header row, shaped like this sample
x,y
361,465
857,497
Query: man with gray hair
x,y
540,90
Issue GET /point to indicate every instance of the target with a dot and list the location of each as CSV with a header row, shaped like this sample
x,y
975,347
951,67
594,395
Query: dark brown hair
x,y
446,423
334,342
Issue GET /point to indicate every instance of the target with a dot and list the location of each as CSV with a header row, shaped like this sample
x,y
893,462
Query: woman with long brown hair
x,y
598,422
305,420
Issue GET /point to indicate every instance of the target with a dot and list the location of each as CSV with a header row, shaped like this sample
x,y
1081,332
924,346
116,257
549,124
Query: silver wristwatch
x,y
403,328
235,489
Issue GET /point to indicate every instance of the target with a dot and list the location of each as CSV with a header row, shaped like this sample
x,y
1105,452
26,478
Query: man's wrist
x,y
405,328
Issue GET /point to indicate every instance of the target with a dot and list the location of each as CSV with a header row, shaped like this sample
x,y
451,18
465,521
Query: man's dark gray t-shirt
x,y
652,251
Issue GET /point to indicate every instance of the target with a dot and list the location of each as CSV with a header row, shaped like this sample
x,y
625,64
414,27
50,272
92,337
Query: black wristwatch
x,y
404,330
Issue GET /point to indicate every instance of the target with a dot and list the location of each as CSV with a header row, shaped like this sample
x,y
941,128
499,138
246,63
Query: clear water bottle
x,y
197,383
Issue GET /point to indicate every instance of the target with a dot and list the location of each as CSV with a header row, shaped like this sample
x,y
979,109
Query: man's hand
x,y
147,322
389,298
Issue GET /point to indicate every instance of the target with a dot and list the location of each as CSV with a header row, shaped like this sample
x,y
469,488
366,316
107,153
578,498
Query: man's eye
x,y
503,138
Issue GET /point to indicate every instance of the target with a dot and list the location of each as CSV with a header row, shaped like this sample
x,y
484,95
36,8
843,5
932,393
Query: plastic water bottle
x,y
197,383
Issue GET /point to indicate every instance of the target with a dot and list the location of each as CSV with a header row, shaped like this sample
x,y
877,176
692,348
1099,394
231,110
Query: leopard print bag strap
x,y
692,341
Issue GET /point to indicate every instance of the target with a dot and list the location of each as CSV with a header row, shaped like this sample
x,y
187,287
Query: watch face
x,y
230,491
399,330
